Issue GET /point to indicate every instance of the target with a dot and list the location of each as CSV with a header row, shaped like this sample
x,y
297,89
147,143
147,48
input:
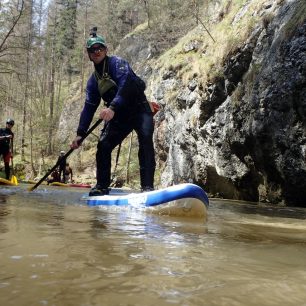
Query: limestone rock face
x,y
253,149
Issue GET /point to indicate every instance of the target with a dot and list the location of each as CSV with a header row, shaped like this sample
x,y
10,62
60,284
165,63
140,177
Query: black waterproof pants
x,y
61,171
7,170
113,134
6,158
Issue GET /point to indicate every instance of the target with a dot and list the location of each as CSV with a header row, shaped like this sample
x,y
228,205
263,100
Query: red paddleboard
x,y
70,185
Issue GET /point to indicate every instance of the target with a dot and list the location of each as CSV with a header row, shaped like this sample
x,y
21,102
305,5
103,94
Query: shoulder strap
x,y
105,71
105,82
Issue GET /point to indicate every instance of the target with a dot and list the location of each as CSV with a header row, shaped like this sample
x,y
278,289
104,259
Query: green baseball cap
x,y
95,40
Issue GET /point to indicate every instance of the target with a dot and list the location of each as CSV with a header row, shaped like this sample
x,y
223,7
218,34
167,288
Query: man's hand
x,y
107,114
76,142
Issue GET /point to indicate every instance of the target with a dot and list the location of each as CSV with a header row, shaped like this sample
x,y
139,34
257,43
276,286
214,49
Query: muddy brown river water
x,y
55,250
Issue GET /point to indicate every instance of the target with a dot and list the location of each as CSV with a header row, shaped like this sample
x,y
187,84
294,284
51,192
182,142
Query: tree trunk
x,y
52,86
27,78
51,105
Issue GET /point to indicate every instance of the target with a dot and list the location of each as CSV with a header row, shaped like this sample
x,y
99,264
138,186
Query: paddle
x,y
65,156
13,177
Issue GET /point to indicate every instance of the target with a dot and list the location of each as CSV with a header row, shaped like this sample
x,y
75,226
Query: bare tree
x,y
15,20
148,12
52,81
28,47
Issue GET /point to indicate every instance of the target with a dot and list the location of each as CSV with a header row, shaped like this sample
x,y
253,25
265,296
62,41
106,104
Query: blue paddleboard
x,y
183,199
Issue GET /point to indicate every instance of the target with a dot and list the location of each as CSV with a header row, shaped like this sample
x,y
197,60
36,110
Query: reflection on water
x,y
4,211
55,250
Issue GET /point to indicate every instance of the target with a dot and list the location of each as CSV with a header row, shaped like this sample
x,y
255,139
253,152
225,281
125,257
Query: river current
x,y
55,250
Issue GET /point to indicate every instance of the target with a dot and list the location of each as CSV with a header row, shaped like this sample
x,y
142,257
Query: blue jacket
x,y
127,95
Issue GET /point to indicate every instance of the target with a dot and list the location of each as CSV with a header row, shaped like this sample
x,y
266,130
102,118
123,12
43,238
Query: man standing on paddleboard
x,y
6,147
126,109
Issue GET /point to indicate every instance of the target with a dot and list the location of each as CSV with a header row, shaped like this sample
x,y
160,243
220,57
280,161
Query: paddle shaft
x,y
64,157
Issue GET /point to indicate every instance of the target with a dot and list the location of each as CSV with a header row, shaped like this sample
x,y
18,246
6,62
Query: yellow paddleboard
x,y
7,182
32,182
59,184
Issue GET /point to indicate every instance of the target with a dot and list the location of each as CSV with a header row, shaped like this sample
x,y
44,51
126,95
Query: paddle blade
x,y
31,188
14,180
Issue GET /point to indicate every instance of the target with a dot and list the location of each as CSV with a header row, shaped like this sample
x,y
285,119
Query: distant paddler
x,y
6,145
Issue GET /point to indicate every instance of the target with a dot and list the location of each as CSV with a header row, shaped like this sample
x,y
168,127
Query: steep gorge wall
x,y
243,136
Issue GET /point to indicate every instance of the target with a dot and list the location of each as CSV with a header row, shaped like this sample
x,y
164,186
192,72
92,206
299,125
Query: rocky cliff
x,y
241,135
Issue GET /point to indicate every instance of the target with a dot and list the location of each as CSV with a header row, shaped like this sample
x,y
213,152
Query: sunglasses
x,y
95,50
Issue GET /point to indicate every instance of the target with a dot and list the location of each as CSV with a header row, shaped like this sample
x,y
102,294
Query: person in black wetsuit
x,y
55,177
127,109
6,147
61,166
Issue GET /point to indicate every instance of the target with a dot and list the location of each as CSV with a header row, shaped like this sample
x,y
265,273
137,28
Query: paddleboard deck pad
x,y
188,200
